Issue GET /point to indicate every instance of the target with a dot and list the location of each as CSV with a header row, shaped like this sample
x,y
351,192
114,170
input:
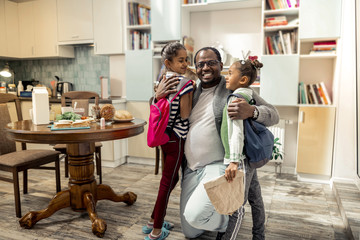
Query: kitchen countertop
x,y
58,100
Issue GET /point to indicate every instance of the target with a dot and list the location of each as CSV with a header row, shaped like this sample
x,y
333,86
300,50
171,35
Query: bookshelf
x,y
138,24
307,65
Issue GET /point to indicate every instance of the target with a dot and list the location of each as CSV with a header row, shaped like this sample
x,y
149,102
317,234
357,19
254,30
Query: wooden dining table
x,y
83,192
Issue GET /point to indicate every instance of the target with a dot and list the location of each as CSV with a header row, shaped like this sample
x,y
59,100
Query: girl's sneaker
x,y
164,234
148,228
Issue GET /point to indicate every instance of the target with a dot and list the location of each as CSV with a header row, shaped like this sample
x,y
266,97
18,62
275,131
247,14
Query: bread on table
x,y
107,112
62,124
80,123
123,115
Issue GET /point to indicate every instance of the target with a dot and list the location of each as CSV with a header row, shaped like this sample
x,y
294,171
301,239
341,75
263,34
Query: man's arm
x,y
240,109
166,87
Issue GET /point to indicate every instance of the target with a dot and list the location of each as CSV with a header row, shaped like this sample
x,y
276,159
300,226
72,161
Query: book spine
x,y
317,94
322,84
282,42
310,96
322,95
272,5
288,3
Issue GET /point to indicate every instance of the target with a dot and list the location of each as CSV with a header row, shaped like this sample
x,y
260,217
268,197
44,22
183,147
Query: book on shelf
x,y
275,21
282,4
194,1
324,47
139,14
140,40
303,99
324,93
317,94
310,96
313,93
281,42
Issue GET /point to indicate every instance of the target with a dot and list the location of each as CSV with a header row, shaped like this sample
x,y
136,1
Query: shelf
x,y
316,105
289,11
279,55
278,28
139,27
218,6
316,56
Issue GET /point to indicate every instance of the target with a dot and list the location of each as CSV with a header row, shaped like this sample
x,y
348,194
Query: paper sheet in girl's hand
x,y
226,197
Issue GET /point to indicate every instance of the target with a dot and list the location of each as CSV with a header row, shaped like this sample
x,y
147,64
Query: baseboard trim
x,y
305,177
141,160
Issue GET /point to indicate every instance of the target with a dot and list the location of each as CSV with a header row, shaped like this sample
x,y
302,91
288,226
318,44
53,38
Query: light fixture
x,y
6,72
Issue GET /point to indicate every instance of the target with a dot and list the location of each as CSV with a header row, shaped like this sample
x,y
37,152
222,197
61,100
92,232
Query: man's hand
x,y
240,109
230,171
166,87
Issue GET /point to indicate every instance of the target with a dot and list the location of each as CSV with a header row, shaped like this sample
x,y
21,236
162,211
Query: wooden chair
x,y
20,161
159,155
82,99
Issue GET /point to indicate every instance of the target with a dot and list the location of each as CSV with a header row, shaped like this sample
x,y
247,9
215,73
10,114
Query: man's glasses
x,y
209,63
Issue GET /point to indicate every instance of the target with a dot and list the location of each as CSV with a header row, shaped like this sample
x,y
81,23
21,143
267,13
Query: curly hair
x,y
249,68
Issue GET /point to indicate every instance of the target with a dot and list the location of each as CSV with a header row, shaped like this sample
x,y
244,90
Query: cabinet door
x,y
320,19
108,26
12,28
3,50
75,21
165,20
139,83
315,140
279,79
45,28
26,29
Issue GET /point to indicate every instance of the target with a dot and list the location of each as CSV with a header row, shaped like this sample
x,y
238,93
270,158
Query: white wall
x,y
117,76
344,165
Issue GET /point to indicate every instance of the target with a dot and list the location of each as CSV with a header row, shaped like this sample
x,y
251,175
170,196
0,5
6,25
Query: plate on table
x,y
123,120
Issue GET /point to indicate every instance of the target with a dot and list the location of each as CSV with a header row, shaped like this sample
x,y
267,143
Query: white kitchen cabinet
x,y
75,21
139,84
26,29
320,19
3,49
46,44
315,140
279,79
38,30
166,20
12,29
108,26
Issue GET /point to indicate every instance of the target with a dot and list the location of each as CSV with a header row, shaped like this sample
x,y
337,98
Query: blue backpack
x,y
258,140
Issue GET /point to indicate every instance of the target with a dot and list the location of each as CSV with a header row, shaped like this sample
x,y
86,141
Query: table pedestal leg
x,y
59,201
83,193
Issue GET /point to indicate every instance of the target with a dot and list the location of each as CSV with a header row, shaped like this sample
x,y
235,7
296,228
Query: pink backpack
x,y
158,121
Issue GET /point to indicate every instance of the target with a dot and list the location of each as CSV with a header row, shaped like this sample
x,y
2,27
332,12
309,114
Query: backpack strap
x,y
239,95
180,90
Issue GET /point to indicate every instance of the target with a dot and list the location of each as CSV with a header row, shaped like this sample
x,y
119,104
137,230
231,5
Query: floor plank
x,y
294,210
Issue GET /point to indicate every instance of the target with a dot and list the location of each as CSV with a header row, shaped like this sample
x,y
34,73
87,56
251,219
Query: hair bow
x,y
253,58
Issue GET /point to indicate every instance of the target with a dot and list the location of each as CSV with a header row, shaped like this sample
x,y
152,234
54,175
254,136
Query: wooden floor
x,y
294,210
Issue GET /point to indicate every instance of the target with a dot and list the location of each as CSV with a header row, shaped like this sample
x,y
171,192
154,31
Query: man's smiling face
x,y
208,68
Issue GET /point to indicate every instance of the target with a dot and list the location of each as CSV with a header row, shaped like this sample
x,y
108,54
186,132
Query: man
x,y
204,151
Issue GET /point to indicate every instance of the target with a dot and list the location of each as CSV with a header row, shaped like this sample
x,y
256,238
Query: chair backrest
x,y
7,145
82,99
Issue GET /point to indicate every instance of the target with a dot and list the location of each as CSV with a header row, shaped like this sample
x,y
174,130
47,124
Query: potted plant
x,y
276,151
277,154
